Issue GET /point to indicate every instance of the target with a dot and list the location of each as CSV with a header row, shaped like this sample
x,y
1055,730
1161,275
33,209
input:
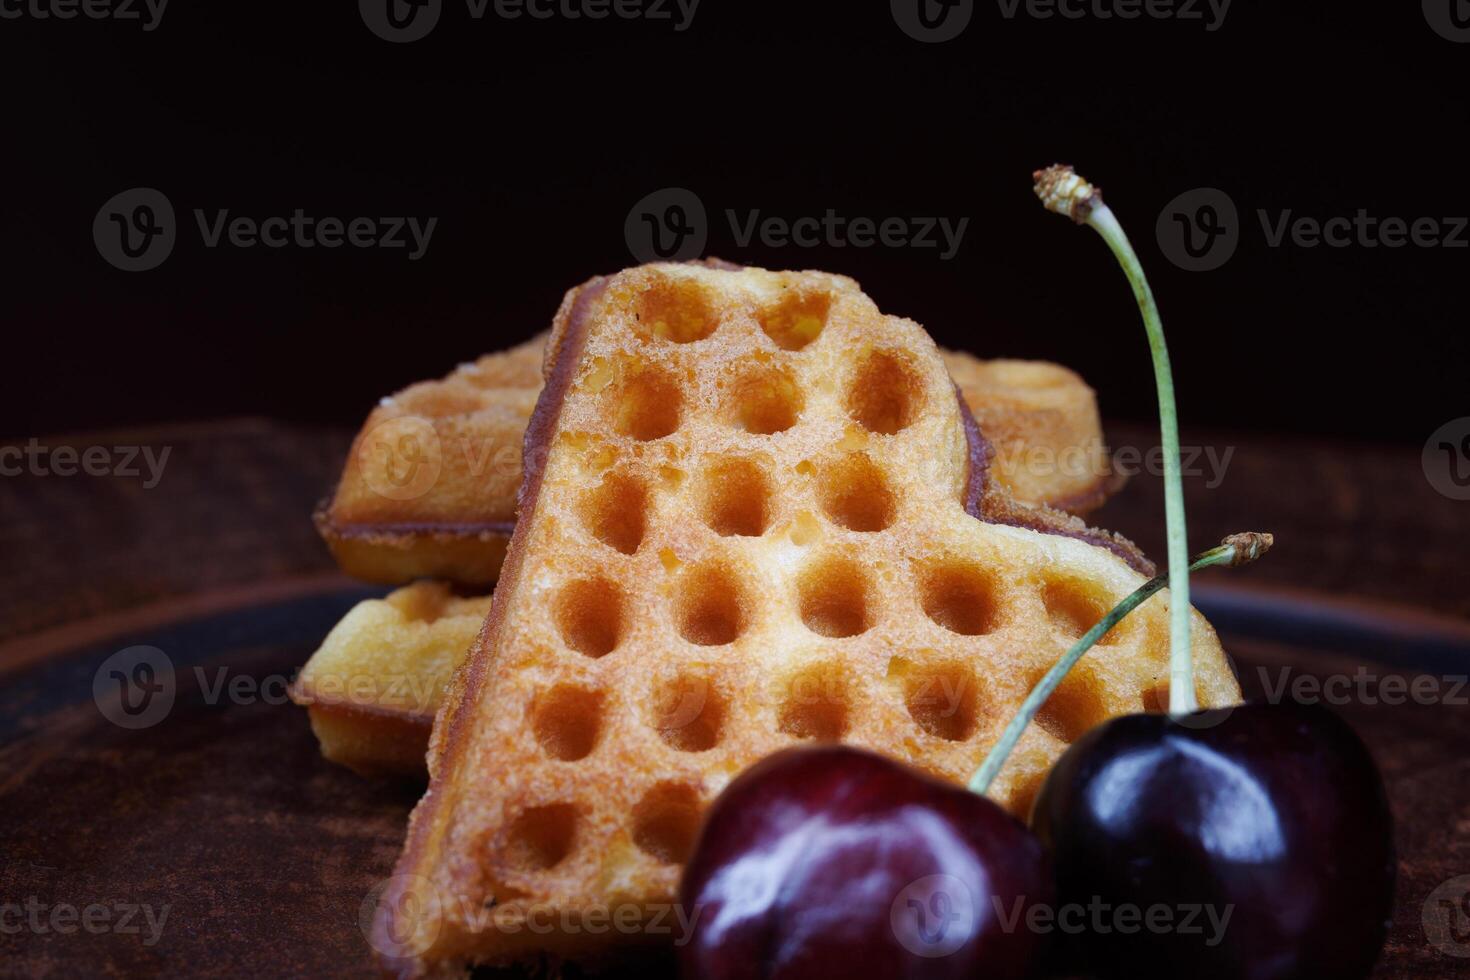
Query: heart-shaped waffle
x,y
755,512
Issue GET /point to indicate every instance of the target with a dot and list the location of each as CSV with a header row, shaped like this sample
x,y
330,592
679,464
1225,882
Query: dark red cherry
x,y
834,862
1266,824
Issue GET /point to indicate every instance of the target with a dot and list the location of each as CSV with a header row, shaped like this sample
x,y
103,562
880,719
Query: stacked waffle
x,y
754,513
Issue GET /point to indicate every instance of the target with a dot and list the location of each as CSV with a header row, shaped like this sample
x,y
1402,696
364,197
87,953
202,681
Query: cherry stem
x,y
1238,549
1063,191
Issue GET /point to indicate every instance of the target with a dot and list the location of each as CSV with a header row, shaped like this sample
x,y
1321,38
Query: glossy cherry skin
x,y
835,862
1274,813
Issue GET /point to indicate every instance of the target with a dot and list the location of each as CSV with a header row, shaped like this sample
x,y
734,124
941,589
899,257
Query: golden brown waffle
x,y
1041,420
379,677
451,516
430,483
757,514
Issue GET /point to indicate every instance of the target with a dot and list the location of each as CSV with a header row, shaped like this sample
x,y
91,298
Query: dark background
x,y
530,141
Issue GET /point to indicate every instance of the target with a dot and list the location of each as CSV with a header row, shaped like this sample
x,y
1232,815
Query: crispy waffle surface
x,y
373,687
759,516
429,486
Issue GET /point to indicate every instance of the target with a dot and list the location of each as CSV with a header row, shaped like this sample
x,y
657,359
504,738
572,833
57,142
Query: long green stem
x,y
1181,659
1238,549
1063,191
